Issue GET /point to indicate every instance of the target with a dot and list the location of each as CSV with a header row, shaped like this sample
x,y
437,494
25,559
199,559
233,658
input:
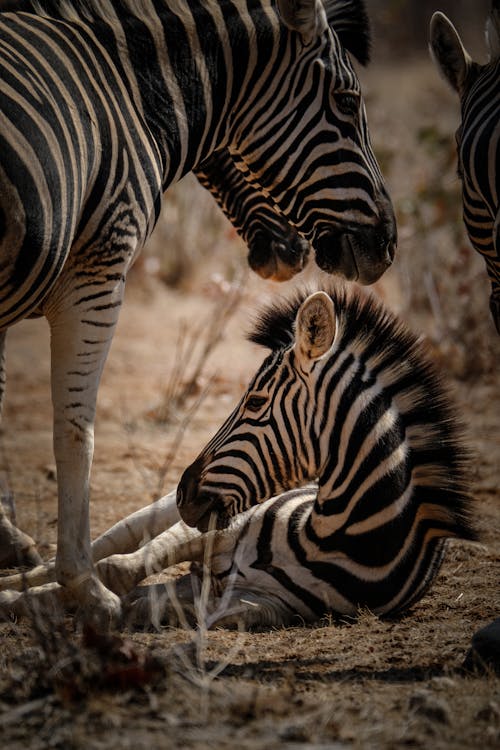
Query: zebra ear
x,y
493,33
301,16
315,327
449,53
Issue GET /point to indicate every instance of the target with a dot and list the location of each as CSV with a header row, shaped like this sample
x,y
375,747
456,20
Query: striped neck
x,y
364,447
188,67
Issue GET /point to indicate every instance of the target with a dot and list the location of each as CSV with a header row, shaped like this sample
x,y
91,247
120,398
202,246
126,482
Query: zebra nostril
x,y
179,496
391,251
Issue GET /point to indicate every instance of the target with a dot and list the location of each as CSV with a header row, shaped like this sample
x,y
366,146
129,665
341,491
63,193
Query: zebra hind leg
x,y
189,603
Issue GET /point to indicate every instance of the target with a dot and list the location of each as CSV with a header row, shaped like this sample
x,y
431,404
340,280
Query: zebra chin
x,y
361,255
204,510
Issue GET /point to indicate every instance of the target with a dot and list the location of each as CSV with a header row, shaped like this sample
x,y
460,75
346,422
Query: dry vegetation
x,y
364,683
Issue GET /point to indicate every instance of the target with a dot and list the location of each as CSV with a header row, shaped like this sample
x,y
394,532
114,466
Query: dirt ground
x,y
364,683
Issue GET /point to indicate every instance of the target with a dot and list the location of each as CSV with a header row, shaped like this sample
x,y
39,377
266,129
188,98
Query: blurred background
x,y
400,27
438,283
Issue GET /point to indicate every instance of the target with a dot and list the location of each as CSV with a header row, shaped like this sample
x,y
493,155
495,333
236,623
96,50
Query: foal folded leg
x,y
137,528
124,537
180,543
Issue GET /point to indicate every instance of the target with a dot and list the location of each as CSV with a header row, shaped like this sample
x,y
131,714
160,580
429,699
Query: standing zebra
x,y
478,137
275,250
478,149
103,105
348,399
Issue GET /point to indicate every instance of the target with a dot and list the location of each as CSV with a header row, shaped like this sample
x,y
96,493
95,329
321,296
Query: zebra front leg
x,y
137,528
82,329
181,543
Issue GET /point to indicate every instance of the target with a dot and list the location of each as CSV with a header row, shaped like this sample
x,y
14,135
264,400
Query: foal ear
x,y
315,327
301,16
449,53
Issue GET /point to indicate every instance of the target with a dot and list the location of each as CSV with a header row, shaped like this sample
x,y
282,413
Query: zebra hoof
x,y
16,547
96,605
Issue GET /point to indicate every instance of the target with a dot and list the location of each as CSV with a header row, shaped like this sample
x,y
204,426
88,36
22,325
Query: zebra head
x,y
347,398
262,448
478,137
305,142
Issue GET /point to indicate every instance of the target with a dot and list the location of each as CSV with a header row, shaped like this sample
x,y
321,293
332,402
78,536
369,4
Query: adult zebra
x,y
478,149
478,137
347,398
275,250
103,104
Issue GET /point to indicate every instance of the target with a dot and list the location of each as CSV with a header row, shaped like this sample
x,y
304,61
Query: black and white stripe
x,y
348,399
275,250
103,105
478,138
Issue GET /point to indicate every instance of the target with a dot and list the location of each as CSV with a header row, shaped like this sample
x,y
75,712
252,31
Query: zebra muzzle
x,y
198,508
361,256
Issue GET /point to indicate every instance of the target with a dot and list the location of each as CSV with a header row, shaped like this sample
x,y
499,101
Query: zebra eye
x,y
254,403
347,104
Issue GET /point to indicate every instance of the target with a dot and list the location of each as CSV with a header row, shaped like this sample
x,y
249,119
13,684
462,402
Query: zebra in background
x,y
347,399
478,137
478,150
103,105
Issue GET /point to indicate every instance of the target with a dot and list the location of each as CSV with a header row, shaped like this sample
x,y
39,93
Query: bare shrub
x,y
191,232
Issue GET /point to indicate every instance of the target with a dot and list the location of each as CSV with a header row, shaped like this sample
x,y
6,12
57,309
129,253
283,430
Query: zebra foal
x,y
103,105
346,399
478,137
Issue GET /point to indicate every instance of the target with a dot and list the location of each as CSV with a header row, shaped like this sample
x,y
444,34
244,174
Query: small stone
x,y
490,712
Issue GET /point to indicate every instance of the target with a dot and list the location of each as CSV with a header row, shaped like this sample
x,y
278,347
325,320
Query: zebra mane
x,y
350,21
360,317
400,361
347,17
368,329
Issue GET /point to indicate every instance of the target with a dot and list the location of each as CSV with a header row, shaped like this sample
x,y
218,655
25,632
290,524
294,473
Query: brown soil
x,y
364,683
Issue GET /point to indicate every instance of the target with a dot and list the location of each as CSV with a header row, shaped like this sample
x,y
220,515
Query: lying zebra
x,y
346,399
